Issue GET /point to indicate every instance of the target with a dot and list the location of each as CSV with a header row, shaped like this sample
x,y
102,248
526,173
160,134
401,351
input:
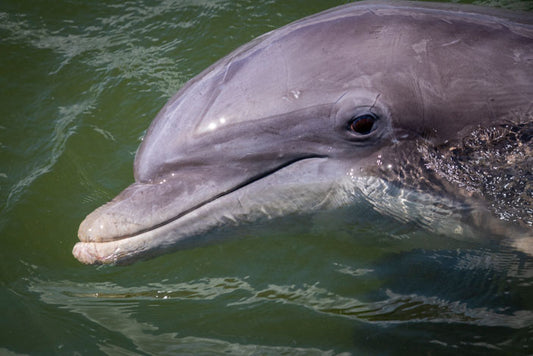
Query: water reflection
x,y
413,289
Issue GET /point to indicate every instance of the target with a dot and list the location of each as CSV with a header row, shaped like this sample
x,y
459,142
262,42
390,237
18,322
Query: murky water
x,y
80,82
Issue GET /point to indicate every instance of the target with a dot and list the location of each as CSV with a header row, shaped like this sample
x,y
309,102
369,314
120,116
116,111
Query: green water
x,y
80,82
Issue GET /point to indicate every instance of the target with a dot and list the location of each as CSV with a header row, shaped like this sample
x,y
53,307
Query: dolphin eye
x,y
363,124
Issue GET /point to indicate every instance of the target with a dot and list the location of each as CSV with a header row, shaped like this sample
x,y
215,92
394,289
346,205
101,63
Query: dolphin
x,y
417,111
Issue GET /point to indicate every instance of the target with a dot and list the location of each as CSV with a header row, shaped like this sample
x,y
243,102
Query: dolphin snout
x,y
103,225
124,227
118,218
146,206
138,208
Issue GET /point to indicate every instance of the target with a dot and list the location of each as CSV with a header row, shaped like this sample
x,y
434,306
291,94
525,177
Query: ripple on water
x,y
111,45
234,292
65,125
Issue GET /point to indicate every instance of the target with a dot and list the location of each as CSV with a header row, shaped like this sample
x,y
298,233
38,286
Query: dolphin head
x,y
312,116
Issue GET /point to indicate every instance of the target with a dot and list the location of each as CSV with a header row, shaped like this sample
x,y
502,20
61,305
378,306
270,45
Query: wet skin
x,y
339,109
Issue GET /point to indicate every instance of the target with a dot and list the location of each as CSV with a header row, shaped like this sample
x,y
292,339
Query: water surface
x,y
80,83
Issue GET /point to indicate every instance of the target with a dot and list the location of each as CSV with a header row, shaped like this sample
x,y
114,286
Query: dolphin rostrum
x,y
421,111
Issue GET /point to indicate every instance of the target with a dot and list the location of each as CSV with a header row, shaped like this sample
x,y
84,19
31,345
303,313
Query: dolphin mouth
x,y
121,228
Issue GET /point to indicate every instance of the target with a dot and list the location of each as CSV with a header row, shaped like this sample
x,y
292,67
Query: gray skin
x,y
268,130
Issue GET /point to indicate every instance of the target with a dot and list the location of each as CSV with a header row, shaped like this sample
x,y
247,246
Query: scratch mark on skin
x,y
451,43
375,101
340,97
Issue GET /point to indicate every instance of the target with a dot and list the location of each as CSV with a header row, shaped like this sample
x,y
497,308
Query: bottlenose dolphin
x,y
421,111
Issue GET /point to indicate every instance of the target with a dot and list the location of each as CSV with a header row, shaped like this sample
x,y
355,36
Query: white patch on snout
x,y
420,49
292,95
519,57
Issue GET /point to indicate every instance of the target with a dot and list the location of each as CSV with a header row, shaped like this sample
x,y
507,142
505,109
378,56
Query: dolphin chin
x,y
376,107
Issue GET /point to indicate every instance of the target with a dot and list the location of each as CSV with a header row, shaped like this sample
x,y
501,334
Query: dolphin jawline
x,y
89,251
226,192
